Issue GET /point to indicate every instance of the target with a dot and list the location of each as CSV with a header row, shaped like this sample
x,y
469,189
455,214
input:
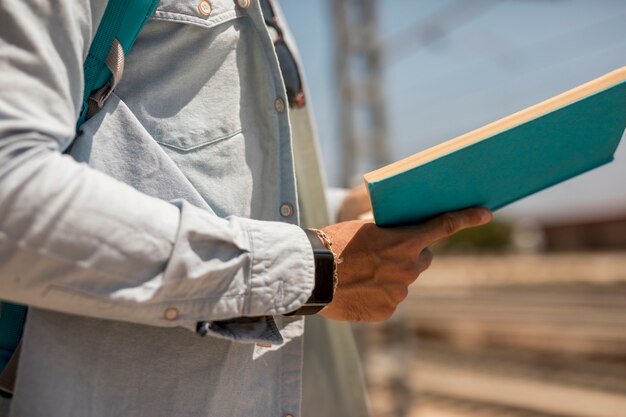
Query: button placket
x,y
286,210
279,105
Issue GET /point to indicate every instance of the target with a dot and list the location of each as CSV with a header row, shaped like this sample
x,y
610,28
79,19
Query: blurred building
x,y
586,234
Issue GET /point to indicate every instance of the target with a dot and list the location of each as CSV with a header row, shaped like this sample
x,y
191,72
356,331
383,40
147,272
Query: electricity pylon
x,y
363,122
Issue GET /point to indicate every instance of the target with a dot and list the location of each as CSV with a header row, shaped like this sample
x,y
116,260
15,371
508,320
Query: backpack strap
x,y
12,318
103,68
121,23
8,375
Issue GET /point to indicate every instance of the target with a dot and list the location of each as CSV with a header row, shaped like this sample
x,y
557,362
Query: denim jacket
x,y
179,205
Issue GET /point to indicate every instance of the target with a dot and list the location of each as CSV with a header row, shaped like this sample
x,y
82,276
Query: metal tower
x,y
363,123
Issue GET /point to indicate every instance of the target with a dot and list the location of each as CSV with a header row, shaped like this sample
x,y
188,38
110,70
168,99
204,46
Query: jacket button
x,y
244,4
204,7
286,210
170,314
279,105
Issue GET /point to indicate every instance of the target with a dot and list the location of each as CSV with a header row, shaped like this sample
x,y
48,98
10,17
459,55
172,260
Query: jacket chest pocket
x,y
187,78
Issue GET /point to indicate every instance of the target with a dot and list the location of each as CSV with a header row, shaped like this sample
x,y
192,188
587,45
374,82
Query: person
x,y
178,205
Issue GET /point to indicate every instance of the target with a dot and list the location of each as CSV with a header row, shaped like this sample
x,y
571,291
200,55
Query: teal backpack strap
x,y
12,318
120,25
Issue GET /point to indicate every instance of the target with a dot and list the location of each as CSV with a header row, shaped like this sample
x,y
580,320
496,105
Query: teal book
x,y
506,160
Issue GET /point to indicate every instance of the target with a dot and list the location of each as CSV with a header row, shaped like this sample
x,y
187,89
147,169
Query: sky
x,y
508,55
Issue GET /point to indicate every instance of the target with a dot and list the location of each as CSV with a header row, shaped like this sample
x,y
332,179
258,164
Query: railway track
x,y
504,346
430,405
494,383
575,319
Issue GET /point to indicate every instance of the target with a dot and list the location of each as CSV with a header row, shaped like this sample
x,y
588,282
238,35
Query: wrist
x,y
325,273
328,244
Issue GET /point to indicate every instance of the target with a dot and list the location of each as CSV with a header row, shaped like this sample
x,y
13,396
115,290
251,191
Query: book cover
x,y
507,160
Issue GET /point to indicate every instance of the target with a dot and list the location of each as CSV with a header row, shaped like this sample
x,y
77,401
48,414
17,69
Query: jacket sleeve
x,y
77,241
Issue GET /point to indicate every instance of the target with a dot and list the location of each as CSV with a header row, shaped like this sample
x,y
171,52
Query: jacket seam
x,y
63,287
196,21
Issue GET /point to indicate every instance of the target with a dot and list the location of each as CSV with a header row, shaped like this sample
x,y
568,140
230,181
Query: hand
x,y
379,264
355,203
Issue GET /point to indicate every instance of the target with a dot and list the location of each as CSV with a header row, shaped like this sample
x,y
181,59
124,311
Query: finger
x,y
449,223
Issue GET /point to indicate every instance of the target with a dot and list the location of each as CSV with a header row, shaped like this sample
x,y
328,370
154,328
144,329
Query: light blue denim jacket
x,y
184,210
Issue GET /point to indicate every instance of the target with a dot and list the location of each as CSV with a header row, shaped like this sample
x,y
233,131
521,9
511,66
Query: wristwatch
x,y
324,287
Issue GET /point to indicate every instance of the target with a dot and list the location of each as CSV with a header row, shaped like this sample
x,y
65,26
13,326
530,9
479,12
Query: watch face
x,y
324,278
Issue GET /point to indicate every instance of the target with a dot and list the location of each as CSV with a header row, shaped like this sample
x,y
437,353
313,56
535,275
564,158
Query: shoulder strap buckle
x,y
115,63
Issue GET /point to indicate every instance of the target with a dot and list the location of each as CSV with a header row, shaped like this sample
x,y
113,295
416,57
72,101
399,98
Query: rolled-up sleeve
x,y
77,241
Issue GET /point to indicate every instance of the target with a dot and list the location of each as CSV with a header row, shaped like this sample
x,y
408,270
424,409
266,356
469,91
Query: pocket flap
x,y
205,13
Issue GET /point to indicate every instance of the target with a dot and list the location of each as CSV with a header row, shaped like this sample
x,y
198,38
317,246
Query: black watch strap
x,y
324,277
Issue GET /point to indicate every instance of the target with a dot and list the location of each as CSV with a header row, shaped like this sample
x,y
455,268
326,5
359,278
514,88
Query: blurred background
x,y
525,316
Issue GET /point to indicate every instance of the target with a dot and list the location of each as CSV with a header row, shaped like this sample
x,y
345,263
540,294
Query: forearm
x,y
75,240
